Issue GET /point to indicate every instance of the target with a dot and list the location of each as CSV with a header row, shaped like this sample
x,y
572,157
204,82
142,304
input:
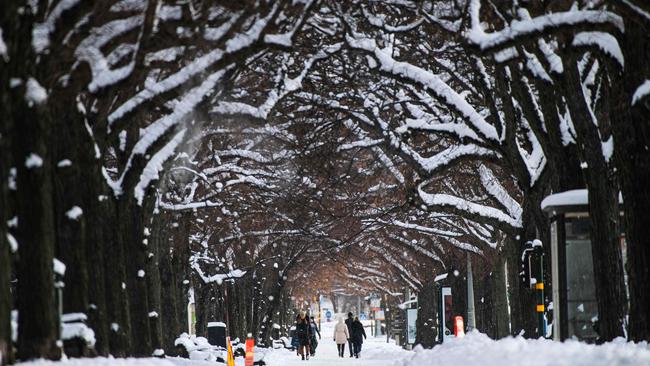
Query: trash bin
x,y
217,334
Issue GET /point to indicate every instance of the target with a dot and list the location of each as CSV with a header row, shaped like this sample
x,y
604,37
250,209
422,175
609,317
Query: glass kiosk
x,y
575,310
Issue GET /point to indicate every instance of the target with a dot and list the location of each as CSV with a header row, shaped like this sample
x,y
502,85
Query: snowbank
x,y
478,349
101,361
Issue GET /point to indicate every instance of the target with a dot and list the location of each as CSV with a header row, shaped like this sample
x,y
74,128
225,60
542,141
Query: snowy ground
x,y
375,352
475,349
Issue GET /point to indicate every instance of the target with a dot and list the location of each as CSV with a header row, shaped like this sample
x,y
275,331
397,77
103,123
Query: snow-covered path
x,y
375,352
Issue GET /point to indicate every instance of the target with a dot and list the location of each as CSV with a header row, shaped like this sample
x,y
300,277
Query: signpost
x,y
446,321
534,269
411,330
328,315
250,349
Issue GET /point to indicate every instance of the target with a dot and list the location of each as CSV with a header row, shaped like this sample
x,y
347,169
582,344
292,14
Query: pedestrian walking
x,y
314,332
341,336
303,332
358,334
295,342
349,322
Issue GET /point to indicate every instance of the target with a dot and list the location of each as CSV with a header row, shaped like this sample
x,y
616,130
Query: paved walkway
x,y
375,352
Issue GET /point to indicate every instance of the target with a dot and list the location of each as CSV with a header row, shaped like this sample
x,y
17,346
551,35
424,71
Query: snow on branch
x,y
427,79
604,41
4,54
496,190
380,22
420,228
286,39
519,29
42,31
90,50
182,109
379,152
289,85
448,156
637,9
218,278
199,65
641,92
189,206
155,165
194,68
461,206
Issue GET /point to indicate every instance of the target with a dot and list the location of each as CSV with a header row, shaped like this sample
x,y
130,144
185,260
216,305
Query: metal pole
x,y
539,289
358,305
471,319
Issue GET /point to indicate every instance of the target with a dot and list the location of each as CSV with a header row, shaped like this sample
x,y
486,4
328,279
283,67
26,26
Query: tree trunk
x,y
5,273
131,233
95,210
631,129
272,307
117,301
153,277
38,328
603,212
427,325
169,296
6,354
68,202
500,296
521,298
180,267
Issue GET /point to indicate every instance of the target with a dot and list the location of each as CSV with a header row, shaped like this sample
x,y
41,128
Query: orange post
x,y
231,356
459,326
250,346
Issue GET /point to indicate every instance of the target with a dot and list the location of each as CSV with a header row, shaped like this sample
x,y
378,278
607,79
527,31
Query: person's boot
x,y
303,357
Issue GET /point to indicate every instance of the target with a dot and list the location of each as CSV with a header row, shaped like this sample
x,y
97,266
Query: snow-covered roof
x,y
572,200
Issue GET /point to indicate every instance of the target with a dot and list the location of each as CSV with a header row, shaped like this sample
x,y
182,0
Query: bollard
x,y
230,358
459,326
250,349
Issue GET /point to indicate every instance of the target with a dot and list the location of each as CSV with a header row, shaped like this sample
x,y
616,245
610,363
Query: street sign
x,y
362,316
379,315
445,307
328,315
411,330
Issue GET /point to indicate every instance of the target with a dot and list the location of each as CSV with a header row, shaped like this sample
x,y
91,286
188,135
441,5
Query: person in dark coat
x,y
357,335
303,333
349,322
314,331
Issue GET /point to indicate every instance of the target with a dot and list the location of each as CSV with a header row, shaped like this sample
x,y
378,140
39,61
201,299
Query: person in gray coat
x,y
341,336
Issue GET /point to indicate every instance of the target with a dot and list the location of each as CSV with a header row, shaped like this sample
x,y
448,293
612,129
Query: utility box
x,y
217,334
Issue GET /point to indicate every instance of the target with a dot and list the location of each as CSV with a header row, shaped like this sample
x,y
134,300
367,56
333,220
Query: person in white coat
x,y
341,336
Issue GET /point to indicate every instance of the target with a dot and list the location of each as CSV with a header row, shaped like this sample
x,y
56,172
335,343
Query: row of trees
x,y
167,148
